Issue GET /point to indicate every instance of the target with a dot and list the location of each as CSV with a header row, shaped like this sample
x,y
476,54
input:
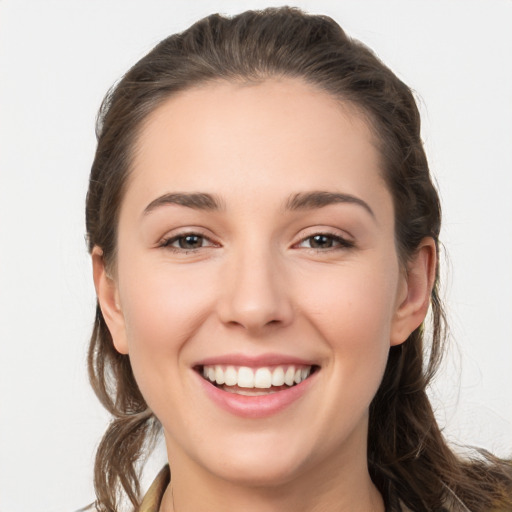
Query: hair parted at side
x,y
408,458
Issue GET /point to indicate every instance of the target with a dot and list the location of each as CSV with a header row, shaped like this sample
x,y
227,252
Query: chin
x,y
260,459
256,471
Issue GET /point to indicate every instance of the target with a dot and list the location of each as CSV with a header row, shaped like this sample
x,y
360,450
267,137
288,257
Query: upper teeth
x,y
265,377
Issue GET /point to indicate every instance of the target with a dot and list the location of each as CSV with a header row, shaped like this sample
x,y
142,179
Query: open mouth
x,y
244,380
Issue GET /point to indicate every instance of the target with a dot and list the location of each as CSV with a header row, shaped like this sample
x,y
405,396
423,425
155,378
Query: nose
x,y
255,295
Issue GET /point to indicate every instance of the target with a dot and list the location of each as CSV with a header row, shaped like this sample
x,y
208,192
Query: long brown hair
x,y
408,459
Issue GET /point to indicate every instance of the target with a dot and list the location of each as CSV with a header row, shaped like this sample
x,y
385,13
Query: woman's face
x,y
256,249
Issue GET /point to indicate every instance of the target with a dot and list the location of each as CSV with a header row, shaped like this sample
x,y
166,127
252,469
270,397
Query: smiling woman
x,y
264,235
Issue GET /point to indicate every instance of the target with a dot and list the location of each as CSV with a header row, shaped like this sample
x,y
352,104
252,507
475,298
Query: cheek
x,y
353,311
162,310
353,305
159,299
353,315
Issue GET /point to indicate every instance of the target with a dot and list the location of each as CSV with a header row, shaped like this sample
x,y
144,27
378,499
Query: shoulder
x,y
152,499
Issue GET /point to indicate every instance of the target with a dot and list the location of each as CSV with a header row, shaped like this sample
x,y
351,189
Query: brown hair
x,y
408,458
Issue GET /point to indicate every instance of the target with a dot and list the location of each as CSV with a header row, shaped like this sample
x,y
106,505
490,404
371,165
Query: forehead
x,y
254,138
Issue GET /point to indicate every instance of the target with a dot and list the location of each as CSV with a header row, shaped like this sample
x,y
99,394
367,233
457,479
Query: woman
x,y
264,235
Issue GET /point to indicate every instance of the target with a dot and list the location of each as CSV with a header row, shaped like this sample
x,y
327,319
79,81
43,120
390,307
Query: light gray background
x,y
58,58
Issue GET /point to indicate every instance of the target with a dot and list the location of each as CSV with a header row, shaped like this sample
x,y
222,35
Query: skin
x,y
257,285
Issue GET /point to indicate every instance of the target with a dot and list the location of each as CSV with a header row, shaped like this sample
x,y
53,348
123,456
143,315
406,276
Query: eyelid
x,y
167,240
344,241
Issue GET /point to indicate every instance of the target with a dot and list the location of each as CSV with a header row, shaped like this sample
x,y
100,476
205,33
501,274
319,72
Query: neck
x,y
328,489
178,499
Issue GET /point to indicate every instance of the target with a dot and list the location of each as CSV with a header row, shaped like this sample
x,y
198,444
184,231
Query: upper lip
x,y
254,361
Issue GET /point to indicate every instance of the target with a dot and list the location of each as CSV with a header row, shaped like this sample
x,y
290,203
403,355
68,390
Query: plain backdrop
x,y
58,58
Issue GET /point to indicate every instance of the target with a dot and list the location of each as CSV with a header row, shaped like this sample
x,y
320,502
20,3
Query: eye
x,y
325,241
187,242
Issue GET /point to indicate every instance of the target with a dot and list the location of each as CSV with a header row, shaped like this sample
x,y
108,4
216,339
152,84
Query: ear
x,y
414,293
108,299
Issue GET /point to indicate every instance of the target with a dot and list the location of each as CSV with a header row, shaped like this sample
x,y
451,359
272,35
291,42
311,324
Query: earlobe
x,y
414,302
108,299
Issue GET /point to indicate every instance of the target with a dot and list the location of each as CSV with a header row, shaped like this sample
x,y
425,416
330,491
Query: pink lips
x,y
254,361
255,406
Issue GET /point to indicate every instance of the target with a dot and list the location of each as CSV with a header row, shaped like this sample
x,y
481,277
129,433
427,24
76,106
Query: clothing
x,y
153,498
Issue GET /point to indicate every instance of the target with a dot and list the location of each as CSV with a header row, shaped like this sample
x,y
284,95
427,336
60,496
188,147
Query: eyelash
x,y
167,242
339,243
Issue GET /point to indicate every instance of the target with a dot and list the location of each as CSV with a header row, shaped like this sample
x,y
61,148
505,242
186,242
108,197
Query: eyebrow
x,y
320,199
196,200
299,201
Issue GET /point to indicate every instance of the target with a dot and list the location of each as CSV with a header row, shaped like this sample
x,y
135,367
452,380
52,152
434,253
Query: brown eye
x,y
190,242
325,241
321,242
186,242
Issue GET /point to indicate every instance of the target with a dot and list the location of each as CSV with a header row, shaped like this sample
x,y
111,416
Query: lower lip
x,y
256,406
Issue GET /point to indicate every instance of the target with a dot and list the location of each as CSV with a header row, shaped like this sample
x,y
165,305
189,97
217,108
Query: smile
x,y
256,386
244,380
